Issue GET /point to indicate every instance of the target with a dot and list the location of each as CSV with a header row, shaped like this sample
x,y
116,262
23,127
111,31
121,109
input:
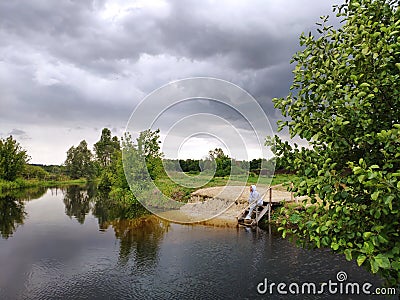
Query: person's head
x,y
252,188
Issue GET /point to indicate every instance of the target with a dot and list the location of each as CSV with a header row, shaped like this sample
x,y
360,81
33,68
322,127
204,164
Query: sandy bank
x,y
219,206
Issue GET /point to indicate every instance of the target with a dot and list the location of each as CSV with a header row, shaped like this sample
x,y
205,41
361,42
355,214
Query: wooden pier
x,y
235,199
260,211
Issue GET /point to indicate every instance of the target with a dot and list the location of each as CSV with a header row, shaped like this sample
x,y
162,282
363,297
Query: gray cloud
x,y
65,64
17,132
20,134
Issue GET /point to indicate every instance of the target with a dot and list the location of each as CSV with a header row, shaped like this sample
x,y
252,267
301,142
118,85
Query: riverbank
x,y
20,183
220,206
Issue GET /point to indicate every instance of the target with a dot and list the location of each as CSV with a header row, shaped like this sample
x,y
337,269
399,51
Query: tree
x,y
148,143
346,104
217,153
190,165
12,159
106,148
149,148
32,171
255,165
223,162
79,162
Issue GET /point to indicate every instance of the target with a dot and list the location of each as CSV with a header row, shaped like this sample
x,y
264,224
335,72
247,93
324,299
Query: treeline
x,y
16,172
226,166
104,163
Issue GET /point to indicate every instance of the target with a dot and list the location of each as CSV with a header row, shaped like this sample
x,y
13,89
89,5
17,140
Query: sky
x,y
70,68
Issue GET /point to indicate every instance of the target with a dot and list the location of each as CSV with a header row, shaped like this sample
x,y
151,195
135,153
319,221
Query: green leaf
x,y
366,235
335,246
365,51
374,266
348,254
360,259
382,261
357,170
368,247
364,84
375,195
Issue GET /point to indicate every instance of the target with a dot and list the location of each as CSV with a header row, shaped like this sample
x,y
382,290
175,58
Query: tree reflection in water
x,y
139,237
139,232
12,208
77,202
12,214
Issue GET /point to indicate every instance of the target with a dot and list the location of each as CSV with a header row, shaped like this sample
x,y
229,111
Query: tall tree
x,y
79,162
12,159
347,106
223,162
106,148
148,146
148,143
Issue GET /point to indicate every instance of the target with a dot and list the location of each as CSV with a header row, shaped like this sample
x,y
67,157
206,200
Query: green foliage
x,y
147,146
12,159
142,162
346,105
106,148
79,162
34,172
190,165
222,161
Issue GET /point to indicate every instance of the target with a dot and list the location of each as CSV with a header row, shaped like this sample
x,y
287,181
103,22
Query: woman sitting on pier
x,y
254,200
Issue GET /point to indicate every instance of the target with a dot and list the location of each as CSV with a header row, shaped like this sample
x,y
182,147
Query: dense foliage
x,y
106,148
346,104
79,162
223,162
12,159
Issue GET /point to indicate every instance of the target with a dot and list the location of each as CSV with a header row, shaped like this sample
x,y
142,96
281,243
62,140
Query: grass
x,y
20,183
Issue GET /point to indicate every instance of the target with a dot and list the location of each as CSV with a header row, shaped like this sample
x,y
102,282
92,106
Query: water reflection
x,y
139,235
12,208
12,214
77,202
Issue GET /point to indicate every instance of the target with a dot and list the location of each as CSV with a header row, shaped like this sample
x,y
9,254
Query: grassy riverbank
x,y
20,183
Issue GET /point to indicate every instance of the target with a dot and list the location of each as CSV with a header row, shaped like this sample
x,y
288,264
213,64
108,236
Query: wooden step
x,y
256,216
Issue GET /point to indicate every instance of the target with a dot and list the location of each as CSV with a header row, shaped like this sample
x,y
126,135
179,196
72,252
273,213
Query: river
x,y
71,244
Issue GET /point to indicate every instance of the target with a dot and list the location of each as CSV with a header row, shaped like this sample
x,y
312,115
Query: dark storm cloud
x,y
239,34
88,63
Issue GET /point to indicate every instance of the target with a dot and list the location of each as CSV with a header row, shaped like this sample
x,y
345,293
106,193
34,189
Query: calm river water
x,y
71,244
